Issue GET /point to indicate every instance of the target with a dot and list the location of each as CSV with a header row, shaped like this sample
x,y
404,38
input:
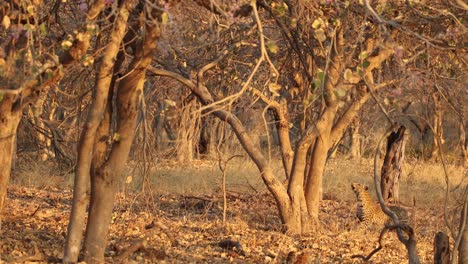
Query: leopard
x,y
369,211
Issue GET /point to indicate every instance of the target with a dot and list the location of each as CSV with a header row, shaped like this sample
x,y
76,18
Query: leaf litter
x,y
181,229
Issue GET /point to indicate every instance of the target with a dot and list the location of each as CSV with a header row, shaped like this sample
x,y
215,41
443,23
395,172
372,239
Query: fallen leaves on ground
x,y
177,229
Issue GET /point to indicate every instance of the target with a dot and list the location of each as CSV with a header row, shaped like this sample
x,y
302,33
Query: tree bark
x,y
88,137
463,139
437,126
10,117
463,248
104,183
441,249
355,140
391,168
318,160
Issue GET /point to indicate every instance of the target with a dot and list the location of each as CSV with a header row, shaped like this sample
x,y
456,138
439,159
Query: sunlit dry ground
x,y
184,224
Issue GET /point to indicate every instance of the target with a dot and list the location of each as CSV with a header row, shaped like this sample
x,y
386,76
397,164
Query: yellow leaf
x,y
164,18
272,47
6,22
317,23
129,179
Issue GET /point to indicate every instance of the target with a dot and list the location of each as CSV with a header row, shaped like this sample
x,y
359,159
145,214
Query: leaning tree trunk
x,y
10,117
391,168
104,183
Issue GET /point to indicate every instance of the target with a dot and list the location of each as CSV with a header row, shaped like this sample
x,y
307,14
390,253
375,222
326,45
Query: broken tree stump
x,y
441,249
391,168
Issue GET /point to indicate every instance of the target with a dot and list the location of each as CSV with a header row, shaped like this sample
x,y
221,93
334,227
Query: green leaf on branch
x,y
272,47
363,55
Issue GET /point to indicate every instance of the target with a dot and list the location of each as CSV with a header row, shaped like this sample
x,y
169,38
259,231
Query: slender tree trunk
x,y
186,134
437,126
9,121
391,168
355,140
463,248
282,126
463,139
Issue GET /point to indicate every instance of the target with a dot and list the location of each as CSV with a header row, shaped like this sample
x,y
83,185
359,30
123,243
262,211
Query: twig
x,y
367,258
142,243
222,166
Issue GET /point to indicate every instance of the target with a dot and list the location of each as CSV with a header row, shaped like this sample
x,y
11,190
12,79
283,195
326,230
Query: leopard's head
x,y
358,188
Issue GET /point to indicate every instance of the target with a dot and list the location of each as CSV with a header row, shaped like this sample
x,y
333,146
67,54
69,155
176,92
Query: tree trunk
x,y
391,168
87,139
355,140
186,134
313,190
437,126
10,116
463,248
463,139
441,249
105,181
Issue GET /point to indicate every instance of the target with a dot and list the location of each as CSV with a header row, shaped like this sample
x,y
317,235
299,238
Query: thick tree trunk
x,y
105,181
10,117
87,139
391,168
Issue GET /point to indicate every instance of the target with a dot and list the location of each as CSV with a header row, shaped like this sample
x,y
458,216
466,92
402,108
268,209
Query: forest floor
x,y
175,226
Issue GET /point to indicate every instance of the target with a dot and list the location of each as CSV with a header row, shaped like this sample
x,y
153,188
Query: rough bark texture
x,y
87,139
10,117
391,168
441,249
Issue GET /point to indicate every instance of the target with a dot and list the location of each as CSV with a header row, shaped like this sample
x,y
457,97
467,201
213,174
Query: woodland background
x,y
163,128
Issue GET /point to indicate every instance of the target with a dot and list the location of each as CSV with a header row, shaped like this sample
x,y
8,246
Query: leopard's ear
x,y
366,187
